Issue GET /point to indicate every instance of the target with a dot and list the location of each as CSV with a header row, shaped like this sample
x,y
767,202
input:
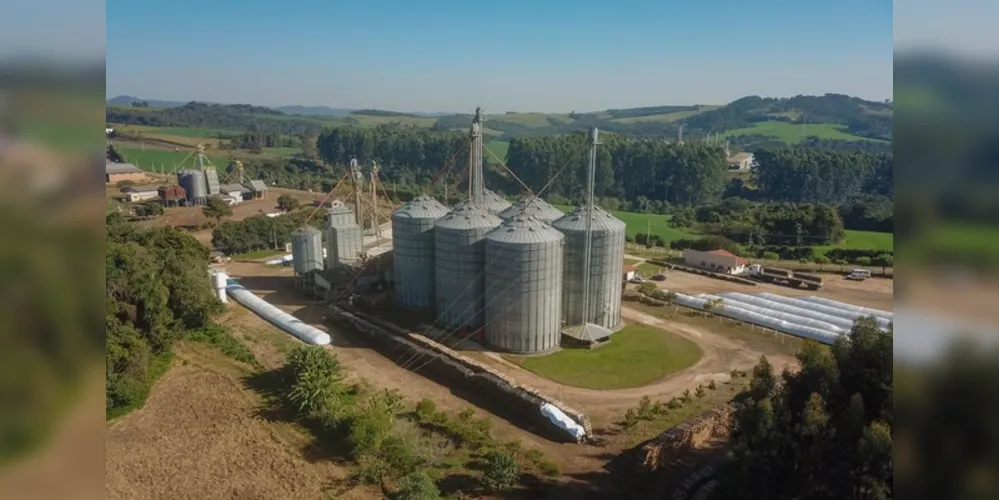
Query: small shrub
x,y
644,408
712,385
416,486
466,414
426,409
700,392
630,419
686,398
548,468
501,471
674,404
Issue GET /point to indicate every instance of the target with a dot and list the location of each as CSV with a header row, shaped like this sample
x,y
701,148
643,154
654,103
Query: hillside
x,y
832,121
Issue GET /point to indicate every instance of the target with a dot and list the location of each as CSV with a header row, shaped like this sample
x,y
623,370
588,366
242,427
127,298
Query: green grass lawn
x,y
792,133
636,356
862,240
646,269
640,223
498,148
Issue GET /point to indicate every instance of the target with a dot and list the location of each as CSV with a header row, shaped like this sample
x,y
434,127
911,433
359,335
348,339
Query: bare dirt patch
x,y
199,436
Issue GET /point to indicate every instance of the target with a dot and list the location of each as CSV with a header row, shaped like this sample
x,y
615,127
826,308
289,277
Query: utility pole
x,y
357,193
588,245
374,199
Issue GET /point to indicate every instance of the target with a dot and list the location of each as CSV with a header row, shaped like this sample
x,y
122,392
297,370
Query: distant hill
x,y
832,120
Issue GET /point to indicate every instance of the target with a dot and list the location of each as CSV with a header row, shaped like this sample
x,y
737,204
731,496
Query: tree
x,y
149,210
121,185
863,261
287,202
216,208
317,389
884,261
821,260
823,432
501,470
416,486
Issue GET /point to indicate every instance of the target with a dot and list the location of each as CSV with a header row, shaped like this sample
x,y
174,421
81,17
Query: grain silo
x,y
459,264
605,268
194,184
307,250
413,240
532,206
493,202
344,238
524,265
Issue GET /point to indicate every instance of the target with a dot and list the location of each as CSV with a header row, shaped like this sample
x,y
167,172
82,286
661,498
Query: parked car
x,y
659,277
859,275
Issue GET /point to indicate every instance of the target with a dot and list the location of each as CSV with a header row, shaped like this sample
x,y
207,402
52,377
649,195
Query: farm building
x,y
117,172
172,195
629,273
718,261
742,162
258,190
236,191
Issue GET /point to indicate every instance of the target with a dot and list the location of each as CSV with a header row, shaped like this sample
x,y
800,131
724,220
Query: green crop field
x,y
176,131
536,120
635,356
168,161
863,240
792,133
419,121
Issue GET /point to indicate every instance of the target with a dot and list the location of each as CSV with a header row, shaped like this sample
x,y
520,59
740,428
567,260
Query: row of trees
x,y
216,116
805,175
157,293
259,232
687,174
765,223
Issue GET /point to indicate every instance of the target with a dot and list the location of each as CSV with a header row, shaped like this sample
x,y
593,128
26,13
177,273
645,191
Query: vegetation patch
x,y
635,356
792,133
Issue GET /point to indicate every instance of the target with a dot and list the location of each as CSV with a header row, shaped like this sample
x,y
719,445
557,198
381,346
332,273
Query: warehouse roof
x,y
120,168
256,185
230,188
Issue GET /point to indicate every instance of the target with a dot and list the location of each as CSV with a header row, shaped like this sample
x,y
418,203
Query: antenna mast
x,y
478,186
588,245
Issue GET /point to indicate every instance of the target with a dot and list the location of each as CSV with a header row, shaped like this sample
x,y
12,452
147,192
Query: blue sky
x,y
514,55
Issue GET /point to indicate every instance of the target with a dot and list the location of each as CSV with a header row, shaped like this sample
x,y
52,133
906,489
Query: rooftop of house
x,y
740,157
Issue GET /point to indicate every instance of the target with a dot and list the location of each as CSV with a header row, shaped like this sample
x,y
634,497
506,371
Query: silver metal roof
x,y
256,185
120,168
234,187
525,229
421,207
493,202
466,215
534,207
575,220
309,230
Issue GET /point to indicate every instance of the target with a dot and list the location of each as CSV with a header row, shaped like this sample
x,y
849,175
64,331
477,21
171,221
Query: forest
x,y
158,292
824,432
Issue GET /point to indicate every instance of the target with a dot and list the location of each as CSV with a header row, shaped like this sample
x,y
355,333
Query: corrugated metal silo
x,y
344,238
524,286
459,264
606,266
193,182
307,249
212,181
413,240
532,206
493,202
